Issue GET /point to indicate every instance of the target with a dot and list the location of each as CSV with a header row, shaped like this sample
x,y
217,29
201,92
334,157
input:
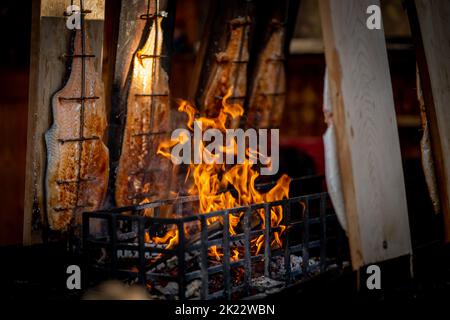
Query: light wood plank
x,y
49,41
366,133
434,35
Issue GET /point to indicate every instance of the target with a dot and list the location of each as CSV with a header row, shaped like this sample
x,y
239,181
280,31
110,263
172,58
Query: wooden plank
x,y
366,133
429,25
49,41
131,35
216,38
130,29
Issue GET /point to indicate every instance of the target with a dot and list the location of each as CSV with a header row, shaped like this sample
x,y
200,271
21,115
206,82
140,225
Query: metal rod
x,y
65,55
78,139
181,262
267,240
82,98
247,252
287,248
305,254
141,239
226,256
113,244
204,259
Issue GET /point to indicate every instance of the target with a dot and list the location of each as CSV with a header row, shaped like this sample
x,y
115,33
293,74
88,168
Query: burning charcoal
x,y
126,236
172,262
313,262
277,265
170,290
296,262
255,222
262,284
193,289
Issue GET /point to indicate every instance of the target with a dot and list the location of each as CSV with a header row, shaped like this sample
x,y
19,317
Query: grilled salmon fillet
x,y
77,159
229,71
267,98
142,175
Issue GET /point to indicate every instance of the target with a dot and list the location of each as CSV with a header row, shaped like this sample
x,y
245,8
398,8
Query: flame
x,y
170,238
212,182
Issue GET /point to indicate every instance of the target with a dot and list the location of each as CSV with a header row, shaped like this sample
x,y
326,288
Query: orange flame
x,y
212,182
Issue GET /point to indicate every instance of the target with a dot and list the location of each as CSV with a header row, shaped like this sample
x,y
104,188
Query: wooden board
x,y
429,24
49,41
366,133
131,35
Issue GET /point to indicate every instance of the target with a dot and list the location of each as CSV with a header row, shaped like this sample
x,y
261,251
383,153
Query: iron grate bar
x,y
181,262
141,243
267,240
247,256
287,248
226,256
204,259
305,250
113,245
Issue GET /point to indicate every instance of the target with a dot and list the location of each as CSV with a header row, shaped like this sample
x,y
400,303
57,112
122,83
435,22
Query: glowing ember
x,y
221,186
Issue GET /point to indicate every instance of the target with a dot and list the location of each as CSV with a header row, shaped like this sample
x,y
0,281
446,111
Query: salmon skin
x,y
77,158
229,71
428,165
142,175
268,98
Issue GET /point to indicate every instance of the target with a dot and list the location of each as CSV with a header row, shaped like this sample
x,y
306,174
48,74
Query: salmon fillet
x,y
142,175
229,71
77,159
268,98
426,151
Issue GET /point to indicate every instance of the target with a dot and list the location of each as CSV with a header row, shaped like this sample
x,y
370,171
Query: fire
x,y
214,183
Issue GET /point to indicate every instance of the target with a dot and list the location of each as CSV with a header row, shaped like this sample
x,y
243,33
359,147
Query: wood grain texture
x,y
268,95
142,175
366,132
55,8
227,37
77,171
434,69
133,77
47,74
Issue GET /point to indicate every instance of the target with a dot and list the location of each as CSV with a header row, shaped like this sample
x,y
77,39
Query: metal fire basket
x,y
312,234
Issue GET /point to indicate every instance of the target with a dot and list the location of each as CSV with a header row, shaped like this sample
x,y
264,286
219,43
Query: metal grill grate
x,y
312,232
